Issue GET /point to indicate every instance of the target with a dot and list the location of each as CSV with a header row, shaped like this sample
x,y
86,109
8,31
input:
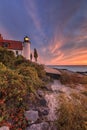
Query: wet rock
x,y
31,115
4,128
40,126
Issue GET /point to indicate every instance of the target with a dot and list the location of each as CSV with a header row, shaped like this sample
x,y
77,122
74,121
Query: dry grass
x,y
72,114
84,93
73,78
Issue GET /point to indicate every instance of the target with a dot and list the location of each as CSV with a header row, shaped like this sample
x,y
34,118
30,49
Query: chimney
x,y
1,38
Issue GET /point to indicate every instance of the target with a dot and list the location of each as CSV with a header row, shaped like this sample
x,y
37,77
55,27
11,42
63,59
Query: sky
x,y
56,28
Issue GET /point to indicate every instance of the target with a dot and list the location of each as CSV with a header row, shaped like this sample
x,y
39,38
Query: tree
x,y
35,54
31,56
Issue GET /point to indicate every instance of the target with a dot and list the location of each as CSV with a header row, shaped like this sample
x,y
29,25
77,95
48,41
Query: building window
x,y
16,53
5,45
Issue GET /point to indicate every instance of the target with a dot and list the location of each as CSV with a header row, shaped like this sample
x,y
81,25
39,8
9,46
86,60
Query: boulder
x,y
43,102
31,116
40,93
4,128
43,111
40,126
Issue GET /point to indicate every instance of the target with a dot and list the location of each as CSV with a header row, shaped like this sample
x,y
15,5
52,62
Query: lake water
x,y
74,68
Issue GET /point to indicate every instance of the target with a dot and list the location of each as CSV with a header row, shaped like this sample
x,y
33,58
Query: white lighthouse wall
x,y
26,50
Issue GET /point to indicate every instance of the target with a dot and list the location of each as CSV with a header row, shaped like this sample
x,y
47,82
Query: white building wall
x,y
19,52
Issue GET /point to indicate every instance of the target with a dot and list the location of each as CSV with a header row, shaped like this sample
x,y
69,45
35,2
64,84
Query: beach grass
x,y
72,114
73,78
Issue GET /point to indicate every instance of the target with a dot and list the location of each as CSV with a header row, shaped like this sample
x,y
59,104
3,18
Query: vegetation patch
x,y
19,81
72,79
85,93
71,115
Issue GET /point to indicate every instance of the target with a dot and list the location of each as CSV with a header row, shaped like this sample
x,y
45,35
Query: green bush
x,y
31,77
40,70
12,85
7,57
22,62
19,81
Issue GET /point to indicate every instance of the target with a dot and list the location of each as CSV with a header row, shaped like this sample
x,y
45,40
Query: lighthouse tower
x,y
26,48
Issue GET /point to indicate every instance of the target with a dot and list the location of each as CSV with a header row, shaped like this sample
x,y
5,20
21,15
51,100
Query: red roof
x,y
10,44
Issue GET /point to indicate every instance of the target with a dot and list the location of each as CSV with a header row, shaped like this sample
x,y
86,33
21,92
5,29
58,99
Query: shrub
x,y
12,84
31,77
13,90
20,60
7,57
40,70
19,80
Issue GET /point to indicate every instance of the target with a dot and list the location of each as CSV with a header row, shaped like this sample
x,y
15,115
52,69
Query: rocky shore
x,y
43,114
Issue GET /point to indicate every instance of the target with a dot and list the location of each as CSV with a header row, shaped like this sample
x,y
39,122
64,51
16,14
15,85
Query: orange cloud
x,y
75,55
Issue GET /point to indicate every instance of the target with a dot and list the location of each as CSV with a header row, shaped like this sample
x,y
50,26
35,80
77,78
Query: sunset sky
x,y
57,28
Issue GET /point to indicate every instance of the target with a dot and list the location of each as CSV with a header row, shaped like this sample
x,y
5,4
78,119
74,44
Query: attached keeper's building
x,y
18,47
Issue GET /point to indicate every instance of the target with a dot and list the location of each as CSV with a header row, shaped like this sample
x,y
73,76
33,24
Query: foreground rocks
x,y
31,116
42,113
4,128
40,126
37,116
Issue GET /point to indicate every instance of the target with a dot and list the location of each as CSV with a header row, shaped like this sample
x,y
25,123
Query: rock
x,y
48,87
4,128
31,116
43,102
40,126
43,111
40,93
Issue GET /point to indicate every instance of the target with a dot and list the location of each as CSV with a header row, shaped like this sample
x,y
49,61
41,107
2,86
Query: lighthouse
x,y
26,48
18,47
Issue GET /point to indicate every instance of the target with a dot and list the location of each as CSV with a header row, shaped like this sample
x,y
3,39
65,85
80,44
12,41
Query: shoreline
x,y
55,97
70,71
73,68
59,71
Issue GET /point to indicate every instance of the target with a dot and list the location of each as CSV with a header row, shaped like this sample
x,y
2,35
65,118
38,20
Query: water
x,y
74,68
